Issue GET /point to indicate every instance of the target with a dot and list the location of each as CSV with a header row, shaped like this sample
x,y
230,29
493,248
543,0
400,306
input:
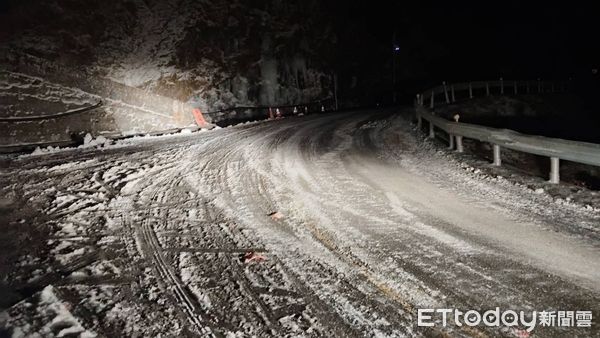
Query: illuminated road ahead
x,y
331,225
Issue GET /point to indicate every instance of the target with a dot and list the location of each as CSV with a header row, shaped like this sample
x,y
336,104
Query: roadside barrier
x,y
554,148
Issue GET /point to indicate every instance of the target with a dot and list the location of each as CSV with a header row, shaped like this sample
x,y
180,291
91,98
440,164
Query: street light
x,y
395,50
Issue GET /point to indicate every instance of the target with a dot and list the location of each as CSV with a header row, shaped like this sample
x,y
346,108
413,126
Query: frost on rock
x,y
176,50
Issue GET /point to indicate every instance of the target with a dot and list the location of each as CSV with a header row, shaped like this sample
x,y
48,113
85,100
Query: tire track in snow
x,y
270,140
152,250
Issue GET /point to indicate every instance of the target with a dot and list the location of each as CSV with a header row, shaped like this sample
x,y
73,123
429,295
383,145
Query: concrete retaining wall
x,y
124,109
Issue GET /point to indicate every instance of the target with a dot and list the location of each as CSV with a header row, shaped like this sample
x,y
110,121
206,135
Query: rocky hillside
x,y
215,53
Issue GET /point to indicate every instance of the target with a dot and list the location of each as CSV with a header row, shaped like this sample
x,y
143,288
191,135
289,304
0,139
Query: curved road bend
x,y
360,222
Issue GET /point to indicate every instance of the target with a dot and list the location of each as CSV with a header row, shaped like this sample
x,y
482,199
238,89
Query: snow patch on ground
x,y
101,142
54,316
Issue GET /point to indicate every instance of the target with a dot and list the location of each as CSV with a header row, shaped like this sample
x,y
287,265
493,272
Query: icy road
x,y
332,225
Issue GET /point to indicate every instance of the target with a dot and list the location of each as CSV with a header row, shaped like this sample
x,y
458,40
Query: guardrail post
x,y
446,92
554,170
501,86
431,131
470,90
431,100
450,141
516,90
487,89
459,144
497,159
452,92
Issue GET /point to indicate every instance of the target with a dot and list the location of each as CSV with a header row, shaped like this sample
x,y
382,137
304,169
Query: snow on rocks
x,y
102,142
24,96
88,142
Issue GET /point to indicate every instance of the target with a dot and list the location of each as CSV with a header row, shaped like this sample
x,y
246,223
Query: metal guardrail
x,y
52,116
448,91
311,106
238,114
555,148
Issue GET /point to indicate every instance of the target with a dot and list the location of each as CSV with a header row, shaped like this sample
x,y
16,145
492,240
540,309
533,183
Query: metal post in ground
x,y
419,122
501,86
335,89
452,92
459,144
431,131
554,170
450,141
487,89
431,99
515,86
446,92
470,90
497,159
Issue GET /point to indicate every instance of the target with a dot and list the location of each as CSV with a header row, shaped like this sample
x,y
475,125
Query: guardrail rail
x,y
554,148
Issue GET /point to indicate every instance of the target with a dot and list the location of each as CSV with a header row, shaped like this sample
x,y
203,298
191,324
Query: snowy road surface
x,y
330,225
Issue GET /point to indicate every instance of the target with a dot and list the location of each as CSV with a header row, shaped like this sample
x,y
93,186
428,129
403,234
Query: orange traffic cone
x,y
200,121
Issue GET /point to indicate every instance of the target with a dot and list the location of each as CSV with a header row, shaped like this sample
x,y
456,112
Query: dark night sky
x,y
479,39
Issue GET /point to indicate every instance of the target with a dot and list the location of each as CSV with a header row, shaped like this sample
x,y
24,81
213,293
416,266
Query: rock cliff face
x,y
215,53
